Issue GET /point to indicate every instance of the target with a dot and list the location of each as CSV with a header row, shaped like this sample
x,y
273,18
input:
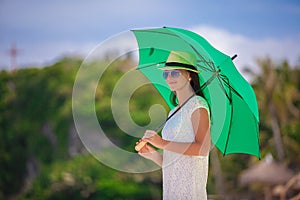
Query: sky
x,y
45,31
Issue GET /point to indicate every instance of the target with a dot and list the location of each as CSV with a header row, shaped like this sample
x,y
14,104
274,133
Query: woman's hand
x,y
146,151
150,153
153,138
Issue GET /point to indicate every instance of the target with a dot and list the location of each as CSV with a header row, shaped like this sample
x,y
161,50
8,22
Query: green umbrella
x,y
232,101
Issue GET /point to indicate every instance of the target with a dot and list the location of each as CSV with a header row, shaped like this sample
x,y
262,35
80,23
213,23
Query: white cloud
x,y
249,49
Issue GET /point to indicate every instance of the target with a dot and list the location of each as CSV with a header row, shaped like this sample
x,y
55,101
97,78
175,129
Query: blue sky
x,y
46,30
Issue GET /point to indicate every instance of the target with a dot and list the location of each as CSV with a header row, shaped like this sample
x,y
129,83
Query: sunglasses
x,y
173,73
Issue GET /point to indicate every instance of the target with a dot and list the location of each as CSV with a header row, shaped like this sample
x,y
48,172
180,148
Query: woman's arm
x,y
157,158
201,145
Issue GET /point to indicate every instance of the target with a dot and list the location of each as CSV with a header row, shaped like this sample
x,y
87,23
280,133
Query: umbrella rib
x,y
228,135
205,68
209,80
209,63
229,86
226,81
229,97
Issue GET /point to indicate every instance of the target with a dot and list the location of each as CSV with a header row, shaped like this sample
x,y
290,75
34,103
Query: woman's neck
x,y
184,95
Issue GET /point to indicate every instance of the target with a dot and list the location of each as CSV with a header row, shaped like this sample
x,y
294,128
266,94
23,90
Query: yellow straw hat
x,y
181,60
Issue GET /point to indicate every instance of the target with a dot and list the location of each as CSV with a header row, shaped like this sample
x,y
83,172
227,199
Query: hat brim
x,y
176,67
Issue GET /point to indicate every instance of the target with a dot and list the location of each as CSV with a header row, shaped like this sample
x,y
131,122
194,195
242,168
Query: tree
x,y
277,92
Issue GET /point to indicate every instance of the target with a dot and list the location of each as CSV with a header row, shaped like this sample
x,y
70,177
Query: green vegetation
x,y
85,178
37,134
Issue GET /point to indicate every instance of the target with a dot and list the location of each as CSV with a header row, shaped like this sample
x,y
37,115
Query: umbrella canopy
x,y
232,102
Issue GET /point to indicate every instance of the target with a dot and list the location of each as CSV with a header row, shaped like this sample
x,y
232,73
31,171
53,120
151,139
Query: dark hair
x,y
195,84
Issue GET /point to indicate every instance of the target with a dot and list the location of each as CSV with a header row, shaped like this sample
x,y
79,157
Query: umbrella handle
x,y
140,145
143,143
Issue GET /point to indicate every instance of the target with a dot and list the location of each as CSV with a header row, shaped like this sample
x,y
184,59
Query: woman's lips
x,y
173,82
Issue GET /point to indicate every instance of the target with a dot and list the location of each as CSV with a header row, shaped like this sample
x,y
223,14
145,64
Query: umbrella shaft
x,y
140,145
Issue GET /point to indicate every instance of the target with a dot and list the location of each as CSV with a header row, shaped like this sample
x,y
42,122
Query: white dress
x,y
184,177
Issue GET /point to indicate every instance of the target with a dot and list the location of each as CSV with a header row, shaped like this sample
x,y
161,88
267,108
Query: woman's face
x,y
177,79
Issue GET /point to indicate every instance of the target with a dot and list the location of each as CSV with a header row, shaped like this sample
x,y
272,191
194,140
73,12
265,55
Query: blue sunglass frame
x,y
173,73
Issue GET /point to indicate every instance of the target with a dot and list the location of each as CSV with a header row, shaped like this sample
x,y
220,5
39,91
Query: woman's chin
x,y
173,89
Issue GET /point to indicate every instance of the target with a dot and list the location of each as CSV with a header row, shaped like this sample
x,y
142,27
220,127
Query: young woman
x,y
186,136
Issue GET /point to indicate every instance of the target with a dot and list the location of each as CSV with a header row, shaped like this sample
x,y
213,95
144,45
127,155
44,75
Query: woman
x,y
186,136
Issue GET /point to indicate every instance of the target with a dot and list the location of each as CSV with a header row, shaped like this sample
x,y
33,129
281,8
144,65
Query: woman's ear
x,y
186,74
189,76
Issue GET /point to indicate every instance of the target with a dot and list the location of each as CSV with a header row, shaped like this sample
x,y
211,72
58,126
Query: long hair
x,y
195,84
